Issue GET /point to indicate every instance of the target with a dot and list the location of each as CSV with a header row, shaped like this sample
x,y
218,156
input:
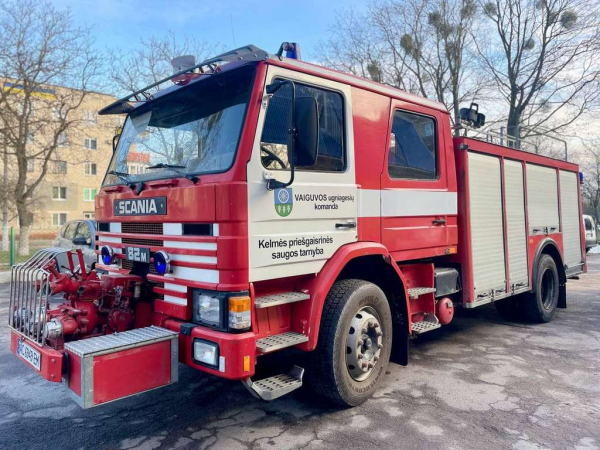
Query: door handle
x,y
439,222
345,225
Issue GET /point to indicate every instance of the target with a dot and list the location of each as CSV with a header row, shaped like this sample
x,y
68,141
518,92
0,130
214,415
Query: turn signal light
x,y
239,312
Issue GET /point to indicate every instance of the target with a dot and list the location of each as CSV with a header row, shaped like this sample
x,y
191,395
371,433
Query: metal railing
x,y
501,137
29,294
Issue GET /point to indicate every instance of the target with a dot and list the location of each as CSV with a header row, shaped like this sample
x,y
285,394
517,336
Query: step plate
x,y
416,292
424,326
280,299
279,341
274,387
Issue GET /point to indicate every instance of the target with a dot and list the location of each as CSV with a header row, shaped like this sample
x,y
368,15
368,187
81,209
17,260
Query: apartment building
x,y
76,170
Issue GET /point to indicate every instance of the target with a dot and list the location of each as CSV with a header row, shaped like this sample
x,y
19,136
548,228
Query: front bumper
x,y
237,352
51,361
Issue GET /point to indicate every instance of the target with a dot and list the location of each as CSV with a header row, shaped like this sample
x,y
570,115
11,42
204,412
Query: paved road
x,y
479,383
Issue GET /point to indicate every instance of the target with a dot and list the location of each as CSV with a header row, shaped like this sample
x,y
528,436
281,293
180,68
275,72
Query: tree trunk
x,y
513,128
5,198
24,240
5,237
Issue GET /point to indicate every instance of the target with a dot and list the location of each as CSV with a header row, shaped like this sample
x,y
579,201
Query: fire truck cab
x,y
260,202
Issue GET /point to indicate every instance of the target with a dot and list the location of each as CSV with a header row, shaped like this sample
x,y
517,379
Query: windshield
x,y
194,129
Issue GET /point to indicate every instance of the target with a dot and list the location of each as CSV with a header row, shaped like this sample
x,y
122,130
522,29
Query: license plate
x,y
137,254
29,354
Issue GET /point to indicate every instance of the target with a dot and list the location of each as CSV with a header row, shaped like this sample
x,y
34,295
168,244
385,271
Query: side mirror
x,y
307,131
80,240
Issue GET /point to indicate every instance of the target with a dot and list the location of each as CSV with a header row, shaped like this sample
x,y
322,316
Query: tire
x,y
334,370
540,306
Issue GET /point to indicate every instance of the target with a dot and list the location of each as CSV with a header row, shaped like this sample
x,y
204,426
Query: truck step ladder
x,y
414,293
274,387
279,299
278,341
430,323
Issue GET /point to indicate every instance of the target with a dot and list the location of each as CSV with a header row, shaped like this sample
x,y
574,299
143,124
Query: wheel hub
x,y
364,344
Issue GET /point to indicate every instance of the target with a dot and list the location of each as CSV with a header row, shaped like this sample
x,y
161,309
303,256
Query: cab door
x,y
295,230
418,207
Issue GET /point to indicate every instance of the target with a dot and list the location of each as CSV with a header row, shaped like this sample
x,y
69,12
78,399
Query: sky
x,y
264,23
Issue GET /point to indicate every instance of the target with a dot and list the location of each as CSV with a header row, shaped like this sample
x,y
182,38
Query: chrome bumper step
x,y
280,299
278,341
274,387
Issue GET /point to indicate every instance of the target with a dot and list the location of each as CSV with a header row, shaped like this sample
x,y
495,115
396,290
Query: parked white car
x,y
590,232
78,234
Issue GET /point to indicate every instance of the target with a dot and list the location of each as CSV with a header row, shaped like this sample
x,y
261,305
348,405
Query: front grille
x,y
142,228
156,294
148,242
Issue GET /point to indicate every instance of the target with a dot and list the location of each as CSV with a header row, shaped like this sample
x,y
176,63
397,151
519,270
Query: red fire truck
x,y
256,202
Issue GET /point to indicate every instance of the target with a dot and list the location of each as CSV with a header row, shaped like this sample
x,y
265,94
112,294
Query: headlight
x,y
206,353
162,263
209,310
225,311
107,255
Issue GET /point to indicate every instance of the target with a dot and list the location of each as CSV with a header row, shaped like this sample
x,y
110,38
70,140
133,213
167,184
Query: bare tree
x,y
420,46
151,60
543,56
590,190
40,49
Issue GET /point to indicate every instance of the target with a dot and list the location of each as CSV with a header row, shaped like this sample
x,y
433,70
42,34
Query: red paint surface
x,y
51,360
132,371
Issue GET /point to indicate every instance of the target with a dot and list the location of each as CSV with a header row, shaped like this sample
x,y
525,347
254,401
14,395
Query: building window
x,y
89,194
413,150
59,219
59,167
30,165
90,143
59,193
62,140
90,168
330,153
90,117
30,137
89,215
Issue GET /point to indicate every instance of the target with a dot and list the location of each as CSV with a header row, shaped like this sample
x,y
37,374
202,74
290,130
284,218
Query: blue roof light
x,y
162,262
107,254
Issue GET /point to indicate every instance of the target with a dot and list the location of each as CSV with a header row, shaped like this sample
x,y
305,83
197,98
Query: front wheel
x,y
354,344
541,305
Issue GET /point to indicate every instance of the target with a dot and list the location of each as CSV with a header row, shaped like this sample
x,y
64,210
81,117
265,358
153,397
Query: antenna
x,y
232,33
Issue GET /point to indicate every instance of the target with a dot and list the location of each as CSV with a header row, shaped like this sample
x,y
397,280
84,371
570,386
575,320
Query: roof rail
x,y
246,53
501,137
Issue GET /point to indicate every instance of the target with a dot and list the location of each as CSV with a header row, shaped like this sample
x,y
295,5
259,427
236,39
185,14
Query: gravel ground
x,y
479,383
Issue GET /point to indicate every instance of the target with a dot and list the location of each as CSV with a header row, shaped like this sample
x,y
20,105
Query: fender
x,y
541,246
319,286
544,243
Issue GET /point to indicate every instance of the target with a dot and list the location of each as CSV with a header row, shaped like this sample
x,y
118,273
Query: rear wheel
x,y
354,344
541,305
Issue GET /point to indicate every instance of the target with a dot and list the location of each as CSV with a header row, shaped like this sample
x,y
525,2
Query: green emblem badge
x,y
284,201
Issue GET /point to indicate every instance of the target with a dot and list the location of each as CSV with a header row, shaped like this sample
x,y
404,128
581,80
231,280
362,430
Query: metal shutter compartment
x,y
542,199
487,231
515,224
569,206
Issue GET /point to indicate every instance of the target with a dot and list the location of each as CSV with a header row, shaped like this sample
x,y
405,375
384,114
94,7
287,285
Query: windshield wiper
x,y
174,167
122,176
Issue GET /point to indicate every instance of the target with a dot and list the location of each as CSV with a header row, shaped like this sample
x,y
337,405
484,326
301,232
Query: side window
x,y
274,141
413,149
588,224
70,231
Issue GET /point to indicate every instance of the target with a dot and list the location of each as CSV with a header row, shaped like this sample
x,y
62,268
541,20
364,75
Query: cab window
x,y
274,141
413,150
